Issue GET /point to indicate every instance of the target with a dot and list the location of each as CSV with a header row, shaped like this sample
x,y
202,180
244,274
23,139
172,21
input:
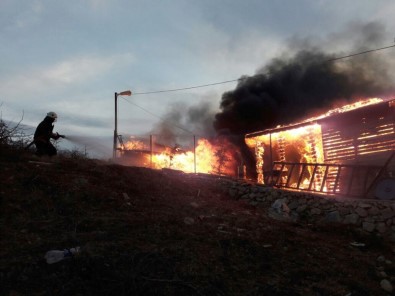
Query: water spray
x,y
95,145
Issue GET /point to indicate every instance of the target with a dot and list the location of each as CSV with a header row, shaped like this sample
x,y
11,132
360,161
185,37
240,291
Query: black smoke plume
x,y
292,89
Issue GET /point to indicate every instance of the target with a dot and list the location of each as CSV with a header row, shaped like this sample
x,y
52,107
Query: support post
x,y
271,158
151,150
194,153
122,93
114,152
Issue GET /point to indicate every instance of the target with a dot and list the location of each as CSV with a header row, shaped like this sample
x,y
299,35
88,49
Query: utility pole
x,y
123,93
114,150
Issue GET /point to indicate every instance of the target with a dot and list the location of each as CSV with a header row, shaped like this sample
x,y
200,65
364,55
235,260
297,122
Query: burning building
x,y
348,151
216,156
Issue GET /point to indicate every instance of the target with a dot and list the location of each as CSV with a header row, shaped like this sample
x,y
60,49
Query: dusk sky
x,y
71,56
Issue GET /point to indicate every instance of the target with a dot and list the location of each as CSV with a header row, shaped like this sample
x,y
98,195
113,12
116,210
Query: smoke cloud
x,y
296,86
182,122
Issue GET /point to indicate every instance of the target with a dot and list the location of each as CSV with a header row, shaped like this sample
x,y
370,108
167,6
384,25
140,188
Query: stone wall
x,y
370,215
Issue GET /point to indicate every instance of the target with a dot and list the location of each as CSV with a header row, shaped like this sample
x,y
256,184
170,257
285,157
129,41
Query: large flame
x,y
297,145
134,145
212,157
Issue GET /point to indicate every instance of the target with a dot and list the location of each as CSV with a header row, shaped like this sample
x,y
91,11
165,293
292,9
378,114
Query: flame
x,y
212,157
134,145
295,144
301,144
348,107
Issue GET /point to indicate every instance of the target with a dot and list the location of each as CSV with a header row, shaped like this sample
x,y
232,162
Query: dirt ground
x,y
163,232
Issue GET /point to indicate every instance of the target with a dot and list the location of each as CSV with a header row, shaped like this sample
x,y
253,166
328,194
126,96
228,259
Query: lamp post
x,y
123,93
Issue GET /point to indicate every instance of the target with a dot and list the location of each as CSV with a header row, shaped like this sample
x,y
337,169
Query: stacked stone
x,y
371,215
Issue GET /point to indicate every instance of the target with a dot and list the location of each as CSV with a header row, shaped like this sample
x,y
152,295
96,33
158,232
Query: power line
x,y
185,88
363,52
234,80
161,118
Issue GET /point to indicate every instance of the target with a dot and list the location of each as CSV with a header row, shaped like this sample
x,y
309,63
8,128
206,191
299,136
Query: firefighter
x,y
43,134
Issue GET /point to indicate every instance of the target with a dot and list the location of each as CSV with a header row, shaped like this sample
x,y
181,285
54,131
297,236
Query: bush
x,y
13,136
75,153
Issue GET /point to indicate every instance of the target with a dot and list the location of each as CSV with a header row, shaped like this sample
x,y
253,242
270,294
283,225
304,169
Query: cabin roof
x,y
390,103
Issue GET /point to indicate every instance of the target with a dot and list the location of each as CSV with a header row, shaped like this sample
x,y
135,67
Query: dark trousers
x,y
45,148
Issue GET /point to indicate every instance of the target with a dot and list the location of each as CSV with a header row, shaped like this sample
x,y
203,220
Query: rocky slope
x,y
148,232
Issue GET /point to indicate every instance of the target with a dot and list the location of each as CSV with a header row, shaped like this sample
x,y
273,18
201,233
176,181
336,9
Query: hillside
x,y
163,232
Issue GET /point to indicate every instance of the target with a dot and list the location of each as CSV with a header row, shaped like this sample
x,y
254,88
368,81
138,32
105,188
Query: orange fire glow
x,y
212,157
301,144
134,145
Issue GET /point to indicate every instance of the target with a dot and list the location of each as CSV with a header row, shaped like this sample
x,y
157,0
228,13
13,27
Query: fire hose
x,y
32,142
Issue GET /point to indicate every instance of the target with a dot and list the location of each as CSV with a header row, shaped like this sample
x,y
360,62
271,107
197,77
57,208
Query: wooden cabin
x,y
343,152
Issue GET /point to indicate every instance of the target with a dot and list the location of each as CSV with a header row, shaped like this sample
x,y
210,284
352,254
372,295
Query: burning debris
x,y
217,156
167,148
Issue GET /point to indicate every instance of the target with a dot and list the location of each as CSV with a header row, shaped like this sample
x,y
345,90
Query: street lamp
x,y
123,93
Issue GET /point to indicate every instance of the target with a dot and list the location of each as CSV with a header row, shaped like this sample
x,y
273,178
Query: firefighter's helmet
x,y
52,115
